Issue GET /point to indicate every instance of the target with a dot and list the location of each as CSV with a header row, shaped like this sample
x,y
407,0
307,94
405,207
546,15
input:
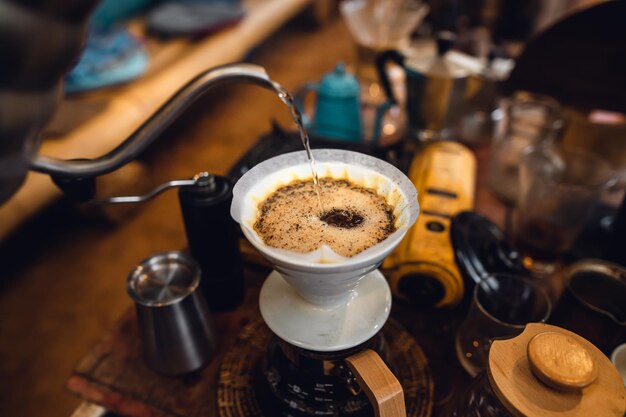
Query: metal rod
x,y
141,198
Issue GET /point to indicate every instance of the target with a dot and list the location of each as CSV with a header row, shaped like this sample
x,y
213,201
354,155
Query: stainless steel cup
x,y
176,332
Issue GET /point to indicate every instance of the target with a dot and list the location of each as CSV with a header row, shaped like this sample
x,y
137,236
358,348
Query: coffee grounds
x,y
354,218
342,218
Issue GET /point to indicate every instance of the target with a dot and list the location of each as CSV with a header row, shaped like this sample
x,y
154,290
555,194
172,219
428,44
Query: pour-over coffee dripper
x,y
322,306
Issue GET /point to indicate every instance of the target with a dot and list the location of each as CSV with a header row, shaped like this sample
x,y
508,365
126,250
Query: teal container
x,y
337,106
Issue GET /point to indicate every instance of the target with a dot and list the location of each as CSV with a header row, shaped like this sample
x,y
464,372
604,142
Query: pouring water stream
x,y
288,99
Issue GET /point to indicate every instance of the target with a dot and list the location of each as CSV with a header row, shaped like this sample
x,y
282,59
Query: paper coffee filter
x,y
265,178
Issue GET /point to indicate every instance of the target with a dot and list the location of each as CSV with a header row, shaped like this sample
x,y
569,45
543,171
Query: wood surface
x,y
379,384
91,124
523,394
561,361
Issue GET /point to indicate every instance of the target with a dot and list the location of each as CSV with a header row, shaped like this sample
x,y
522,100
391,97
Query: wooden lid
x,y
548,371
561,361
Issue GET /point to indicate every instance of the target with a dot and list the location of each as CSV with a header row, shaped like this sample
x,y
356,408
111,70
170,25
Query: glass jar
x,y
527,119
501,306
305,383
478,401
544,371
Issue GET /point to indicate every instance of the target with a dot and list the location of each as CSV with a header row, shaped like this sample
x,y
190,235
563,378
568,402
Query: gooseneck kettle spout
x,y
157,123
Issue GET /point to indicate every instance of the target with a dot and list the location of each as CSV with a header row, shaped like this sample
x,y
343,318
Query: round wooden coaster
x,y
237,392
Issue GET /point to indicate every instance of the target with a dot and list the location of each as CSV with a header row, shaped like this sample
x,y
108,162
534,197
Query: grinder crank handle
x,y
202,179
380,385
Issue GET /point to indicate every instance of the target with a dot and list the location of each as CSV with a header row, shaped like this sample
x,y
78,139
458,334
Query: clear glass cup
x,y
527,119
558,188
502,305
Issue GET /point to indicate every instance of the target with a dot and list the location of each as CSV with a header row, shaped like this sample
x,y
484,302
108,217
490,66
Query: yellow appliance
x,y
422,268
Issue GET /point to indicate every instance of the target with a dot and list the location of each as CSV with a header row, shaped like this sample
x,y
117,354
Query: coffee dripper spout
x,y
152,128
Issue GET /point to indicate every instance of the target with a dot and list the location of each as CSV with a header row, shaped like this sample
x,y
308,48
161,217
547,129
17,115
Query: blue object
x,y
338,107
110,57
110,12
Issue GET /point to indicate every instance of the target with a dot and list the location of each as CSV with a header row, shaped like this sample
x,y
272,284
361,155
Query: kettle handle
x,y
381,62
300,97
380,385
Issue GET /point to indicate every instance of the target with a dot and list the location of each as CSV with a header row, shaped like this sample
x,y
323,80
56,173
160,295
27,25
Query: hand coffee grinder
x,y
325,310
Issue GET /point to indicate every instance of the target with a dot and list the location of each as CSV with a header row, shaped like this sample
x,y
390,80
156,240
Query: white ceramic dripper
x,y
320,300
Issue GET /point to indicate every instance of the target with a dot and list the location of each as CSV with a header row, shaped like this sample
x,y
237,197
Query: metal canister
x,y
177,336
438,87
